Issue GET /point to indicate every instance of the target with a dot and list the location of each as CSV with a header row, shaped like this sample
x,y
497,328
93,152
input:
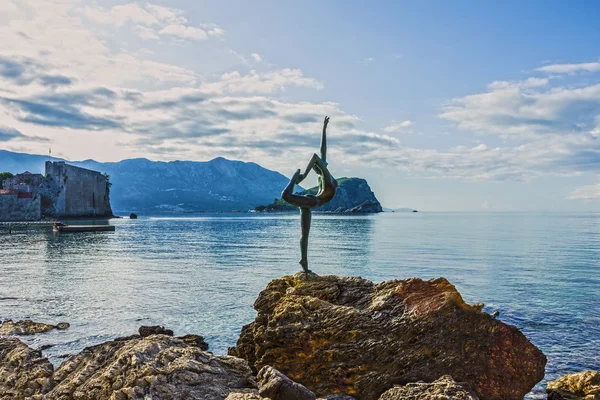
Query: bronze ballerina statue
x,y
327,188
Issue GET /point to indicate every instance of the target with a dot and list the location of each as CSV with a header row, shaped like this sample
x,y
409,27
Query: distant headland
x,y
354,195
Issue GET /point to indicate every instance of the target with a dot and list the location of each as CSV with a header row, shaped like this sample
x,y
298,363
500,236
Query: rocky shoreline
x,y
325,337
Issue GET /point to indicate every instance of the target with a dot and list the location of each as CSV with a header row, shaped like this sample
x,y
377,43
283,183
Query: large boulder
x,y
348,335
23,371
582,385
444,388
156,366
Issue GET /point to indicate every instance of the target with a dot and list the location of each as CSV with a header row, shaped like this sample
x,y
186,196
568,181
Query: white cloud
x,y
149,21
570,68
184,32
268,82
527,108
121,14
256,57
591,192
395,126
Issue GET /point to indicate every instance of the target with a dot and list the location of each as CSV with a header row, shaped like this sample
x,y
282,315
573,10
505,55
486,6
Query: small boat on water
x,y
82,228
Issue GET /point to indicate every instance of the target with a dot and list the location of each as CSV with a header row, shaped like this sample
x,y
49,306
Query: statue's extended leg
x,y
305,216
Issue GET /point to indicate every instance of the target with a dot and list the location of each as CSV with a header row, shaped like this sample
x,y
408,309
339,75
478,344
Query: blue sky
x,y
439,105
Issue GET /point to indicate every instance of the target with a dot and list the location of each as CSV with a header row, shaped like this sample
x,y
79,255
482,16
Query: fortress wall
x,y
19,208
81,191
26,181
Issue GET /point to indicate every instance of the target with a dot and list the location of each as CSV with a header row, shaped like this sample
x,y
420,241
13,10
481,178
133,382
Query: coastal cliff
x,y
353,195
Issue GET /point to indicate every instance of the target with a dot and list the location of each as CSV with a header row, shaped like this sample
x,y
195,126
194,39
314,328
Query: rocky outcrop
x,y
349,335
582,385
146,331
23,371
155,366
444,388
353,195
26,327
244,396
368,207
276,386
273,385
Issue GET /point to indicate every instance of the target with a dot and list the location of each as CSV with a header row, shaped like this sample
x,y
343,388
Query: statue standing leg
x,y
305,217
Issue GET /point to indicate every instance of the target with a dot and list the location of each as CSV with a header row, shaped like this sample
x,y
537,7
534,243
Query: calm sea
x,y
201,275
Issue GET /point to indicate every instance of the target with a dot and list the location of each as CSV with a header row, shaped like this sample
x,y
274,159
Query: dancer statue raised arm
x,y
327,189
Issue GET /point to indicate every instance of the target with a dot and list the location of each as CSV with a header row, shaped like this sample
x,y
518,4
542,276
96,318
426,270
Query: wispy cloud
x,y
570,68
152,21
397,126
7,134
590,192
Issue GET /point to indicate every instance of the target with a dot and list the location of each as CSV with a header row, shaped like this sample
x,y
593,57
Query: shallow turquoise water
x,y
201,275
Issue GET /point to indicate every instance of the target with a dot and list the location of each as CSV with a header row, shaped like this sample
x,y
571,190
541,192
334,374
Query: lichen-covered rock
x,y
444,388
349,335
581,385
276,386
26,327
157,367
244,396
273,385
23,371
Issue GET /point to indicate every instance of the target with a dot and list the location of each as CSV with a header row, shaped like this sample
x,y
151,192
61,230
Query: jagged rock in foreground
x,y
26,327
348,335
23,371
582,385
244,396
157,367
273,385
444,388
276,386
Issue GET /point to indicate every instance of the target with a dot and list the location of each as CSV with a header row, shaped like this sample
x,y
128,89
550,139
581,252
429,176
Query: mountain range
x,y
155,187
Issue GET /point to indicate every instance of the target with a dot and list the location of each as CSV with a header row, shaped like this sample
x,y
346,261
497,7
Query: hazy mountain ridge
x,y
142,185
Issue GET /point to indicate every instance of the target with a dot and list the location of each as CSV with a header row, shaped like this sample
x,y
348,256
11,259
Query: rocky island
x,y
354,195
314,337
